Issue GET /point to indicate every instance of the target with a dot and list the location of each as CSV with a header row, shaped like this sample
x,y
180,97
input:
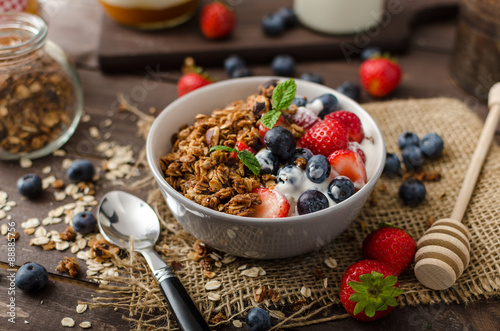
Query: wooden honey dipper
x,y
443,252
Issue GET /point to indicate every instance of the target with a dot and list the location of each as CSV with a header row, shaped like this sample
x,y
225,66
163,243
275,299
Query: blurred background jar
x,y
29,6
339,16
150,14
475,63
41,98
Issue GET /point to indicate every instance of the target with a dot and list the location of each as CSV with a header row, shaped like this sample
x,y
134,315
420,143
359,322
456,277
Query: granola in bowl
x,y
259,156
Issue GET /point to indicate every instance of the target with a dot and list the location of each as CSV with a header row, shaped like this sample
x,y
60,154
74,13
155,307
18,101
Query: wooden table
x,y
75,26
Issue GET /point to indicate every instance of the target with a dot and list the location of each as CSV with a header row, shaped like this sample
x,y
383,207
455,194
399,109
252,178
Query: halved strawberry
x,y
348,163
274,203
305,118
241,146
325,137
356,147
263,130
351,122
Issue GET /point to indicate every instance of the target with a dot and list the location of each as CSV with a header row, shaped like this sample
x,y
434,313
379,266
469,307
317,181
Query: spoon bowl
x,y
124,219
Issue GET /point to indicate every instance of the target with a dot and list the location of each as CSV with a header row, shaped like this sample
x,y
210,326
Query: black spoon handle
x,y
186,313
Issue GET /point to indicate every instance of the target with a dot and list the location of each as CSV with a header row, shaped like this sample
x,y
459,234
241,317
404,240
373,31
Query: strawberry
x,y
193,77
274,203
356,147
351,122
263,130
390,245
241,146
189,82
350,164
325,137
379,76
217,21
305,118
368,290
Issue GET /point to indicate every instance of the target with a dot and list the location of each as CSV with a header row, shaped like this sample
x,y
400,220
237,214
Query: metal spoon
x,y
123,217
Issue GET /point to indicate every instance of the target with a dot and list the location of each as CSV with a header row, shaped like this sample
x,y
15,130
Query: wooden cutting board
x,y
123,49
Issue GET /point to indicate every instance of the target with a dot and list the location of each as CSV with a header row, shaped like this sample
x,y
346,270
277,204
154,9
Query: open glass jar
x,y
41,99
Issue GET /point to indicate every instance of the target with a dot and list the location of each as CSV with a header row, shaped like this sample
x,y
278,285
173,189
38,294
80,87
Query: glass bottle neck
x,y
22,35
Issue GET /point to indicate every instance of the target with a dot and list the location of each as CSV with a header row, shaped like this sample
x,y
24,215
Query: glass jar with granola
x,y
41,98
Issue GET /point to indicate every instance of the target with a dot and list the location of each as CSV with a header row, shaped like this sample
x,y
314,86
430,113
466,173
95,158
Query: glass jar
x,y
150,14
339,16
41,99
475,61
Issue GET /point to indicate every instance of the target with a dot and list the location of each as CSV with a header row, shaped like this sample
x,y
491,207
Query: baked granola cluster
x,y
218,180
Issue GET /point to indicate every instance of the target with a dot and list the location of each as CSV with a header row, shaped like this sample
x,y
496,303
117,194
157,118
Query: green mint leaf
x,y
250,161
283,94
225,148
270,118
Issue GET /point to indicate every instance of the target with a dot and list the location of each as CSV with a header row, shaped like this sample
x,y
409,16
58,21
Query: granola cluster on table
x,y
219,180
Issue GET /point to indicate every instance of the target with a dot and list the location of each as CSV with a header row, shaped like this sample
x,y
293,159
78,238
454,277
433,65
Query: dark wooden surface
x,y
122,49
75,26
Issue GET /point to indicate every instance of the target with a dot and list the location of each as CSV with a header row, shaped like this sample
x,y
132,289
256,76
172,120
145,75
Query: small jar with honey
x,y
150,14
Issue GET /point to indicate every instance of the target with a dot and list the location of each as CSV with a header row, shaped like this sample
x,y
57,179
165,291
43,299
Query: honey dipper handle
x,y
483,145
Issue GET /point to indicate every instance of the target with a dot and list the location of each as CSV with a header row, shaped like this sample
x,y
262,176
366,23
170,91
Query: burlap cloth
x,y
136,291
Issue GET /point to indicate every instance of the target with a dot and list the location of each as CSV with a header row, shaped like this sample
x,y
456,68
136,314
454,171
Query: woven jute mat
x,y
136,291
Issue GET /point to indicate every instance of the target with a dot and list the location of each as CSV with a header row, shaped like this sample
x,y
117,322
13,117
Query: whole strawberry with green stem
x,y
217,21
193,77
380,76
369,289
390,245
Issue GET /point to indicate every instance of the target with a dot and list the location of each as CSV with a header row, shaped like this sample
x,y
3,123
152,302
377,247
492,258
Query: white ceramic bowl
x,y
262,238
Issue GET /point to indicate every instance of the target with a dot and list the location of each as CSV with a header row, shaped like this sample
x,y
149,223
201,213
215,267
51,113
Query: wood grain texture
x,y
122,49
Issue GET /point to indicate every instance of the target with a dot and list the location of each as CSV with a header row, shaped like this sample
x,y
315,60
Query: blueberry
x,y
318,168
233,62
412,157
258,319
392,165
292,176
312,77
350,90
302,152
271,82
288,16
84,222
283,65
311,201
412,192
408,138
241,72
370,52
280,142
29,185
273,25
431,145
299,101
80,171
324,104
340,188
31,277
269,163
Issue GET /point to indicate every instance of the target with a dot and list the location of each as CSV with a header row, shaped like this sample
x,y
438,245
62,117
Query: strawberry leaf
x,y
250,161
390,301
270,118
283,94
358,287
389,281
370,310
360,306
